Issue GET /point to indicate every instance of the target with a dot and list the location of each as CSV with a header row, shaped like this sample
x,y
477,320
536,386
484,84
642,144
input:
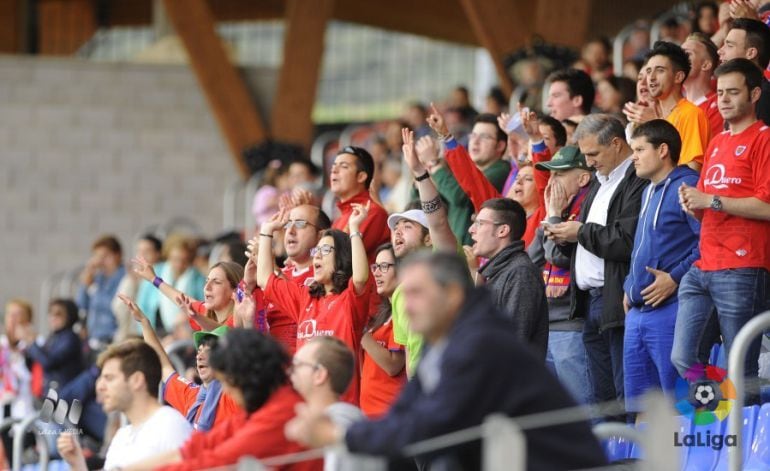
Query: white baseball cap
x,y
416,215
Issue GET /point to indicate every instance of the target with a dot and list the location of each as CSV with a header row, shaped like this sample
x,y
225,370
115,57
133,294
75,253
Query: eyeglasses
x,y
324,250
479,222
481,135
384,266
298,223
298,363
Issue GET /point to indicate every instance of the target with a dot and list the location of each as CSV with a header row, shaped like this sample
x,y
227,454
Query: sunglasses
x,y
324,250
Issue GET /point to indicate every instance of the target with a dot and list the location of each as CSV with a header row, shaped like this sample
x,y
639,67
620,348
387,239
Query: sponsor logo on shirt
x,y
715,176
307,330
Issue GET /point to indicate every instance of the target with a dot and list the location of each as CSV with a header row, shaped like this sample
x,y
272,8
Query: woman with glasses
x,y
337,301
382,371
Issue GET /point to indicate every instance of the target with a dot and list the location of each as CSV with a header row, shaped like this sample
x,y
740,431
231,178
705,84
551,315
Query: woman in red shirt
x,y
219,294
382,372
525,192
337,302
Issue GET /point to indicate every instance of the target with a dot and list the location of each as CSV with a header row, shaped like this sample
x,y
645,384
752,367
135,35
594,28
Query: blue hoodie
x,y
666,237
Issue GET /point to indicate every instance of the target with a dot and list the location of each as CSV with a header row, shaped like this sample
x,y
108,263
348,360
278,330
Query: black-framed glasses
x,y
384,266
324,250
298,223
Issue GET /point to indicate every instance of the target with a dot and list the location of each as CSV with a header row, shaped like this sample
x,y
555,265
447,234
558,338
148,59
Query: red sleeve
x,y
286,295
227,408
200,443
179,393
360,304
200,309
541,176
472,180
761,167
375,229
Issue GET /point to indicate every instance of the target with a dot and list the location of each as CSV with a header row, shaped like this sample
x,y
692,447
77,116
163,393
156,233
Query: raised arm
x,y
144,269
360,260
149,335
435,211
265,256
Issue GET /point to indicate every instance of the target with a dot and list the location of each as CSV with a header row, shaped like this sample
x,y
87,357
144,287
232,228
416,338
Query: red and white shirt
x,y
736,166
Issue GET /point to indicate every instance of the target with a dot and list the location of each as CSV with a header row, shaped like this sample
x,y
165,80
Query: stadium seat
x,y
750,414
636,450
701,458
617,448
714,356
759,459
764,394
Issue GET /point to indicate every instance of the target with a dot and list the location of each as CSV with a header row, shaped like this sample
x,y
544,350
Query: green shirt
x,y
459,205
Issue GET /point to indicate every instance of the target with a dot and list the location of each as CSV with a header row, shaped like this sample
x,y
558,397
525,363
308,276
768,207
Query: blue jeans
x,y
604,349
647,345
736,294
567,359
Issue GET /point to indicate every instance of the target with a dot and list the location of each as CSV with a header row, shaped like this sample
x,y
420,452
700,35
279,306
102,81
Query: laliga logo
x,y
705,395
716,178
53,407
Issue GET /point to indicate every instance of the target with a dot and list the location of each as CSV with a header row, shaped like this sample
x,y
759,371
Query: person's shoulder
x,y
344,414
167,417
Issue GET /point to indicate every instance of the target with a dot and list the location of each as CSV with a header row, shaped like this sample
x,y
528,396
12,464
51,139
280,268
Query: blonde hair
x,y
24,305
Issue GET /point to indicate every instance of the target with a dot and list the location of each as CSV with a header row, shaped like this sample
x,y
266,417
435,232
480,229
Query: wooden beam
x,y
64,25
303,48
11,26
499,25
222,85
569,27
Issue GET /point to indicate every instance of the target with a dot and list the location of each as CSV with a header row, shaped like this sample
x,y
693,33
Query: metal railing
x,y
230,204
618,44
736,370
21,429
657,25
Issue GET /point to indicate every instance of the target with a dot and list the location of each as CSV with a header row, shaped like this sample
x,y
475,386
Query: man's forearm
x,y
749,208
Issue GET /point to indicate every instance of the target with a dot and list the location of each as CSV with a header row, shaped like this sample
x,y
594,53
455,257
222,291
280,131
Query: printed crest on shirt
x,y
183,380
740,150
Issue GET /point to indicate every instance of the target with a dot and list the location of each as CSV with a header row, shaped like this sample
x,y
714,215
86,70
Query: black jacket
x,y
60,357
484,370
613,243
518,292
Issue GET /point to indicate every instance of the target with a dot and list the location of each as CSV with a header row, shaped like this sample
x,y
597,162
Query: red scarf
x,y
557,279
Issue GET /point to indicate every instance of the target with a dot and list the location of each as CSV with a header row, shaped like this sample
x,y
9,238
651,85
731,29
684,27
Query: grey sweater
x,y
518,291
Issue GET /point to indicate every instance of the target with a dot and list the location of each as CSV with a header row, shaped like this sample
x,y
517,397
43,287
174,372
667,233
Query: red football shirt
x,y
259,435
709,106
181,395
378,389
375,228
736,166
200,308
342,315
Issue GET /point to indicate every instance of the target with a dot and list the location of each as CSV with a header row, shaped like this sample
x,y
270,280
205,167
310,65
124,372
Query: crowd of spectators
x,y
460,263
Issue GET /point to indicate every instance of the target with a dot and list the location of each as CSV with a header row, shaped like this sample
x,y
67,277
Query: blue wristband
x,y
157,281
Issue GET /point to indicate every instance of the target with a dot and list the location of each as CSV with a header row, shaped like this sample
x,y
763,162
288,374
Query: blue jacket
x,y
485,369
60,357
666,237
96,300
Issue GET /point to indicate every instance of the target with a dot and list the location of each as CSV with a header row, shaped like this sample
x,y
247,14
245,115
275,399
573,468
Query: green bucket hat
x,y
567,158
200,335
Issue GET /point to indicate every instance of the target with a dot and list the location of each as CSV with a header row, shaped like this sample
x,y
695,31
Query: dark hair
x,y
208,341
237,251
496,94
322,220
510,213
337,360
559,132
108,242
343,264
711,48
445,268
623,85
675,54
745,67
135,356
698,9
660,131
70,309
757,36
364,161
252,362
385,309
489,118
154,241
579,84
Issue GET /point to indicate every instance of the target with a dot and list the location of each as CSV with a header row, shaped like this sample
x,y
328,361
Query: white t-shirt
x,y
165,430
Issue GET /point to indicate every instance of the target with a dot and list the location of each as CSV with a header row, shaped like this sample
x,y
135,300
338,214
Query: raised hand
x,y
250,270
276,222
640,112
185,304
531,124
358,216
245,311
503,121
436,122
743,9
410,153
136,313
427,151
70,450
142,268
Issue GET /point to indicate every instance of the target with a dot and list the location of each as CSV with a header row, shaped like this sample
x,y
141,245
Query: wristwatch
x,y
716,203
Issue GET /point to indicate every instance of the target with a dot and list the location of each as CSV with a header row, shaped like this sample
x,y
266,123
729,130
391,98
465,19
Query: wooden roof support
x,y
303,48
224,88
569,27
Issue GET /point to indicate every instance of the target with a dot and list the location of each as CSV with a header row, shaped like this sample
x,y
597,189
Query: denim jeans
x,y
566,357
604,350
647,344
736,294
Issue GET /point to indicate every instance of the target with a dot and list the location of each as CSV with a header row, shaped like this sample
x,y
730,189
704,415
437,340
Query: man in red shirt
x,y
301,234
253,371
732,201
350,179
699,86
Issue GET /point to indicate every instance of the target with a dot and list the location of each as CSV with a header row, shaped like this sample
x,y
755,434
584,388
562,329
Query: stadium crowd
x,y
503,261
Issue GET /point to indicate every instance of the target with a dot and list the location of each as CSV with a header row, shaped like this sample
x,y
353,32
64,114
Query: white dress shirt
x,y
589,269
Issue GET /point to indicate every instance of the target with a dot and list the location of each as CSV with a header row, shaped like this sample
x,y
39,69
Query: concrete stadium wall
x,y
91,148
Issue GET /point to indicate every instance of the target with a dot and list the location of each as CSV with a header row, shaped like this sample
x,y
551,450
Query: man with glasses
x,y
350,179
301,234
515,282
